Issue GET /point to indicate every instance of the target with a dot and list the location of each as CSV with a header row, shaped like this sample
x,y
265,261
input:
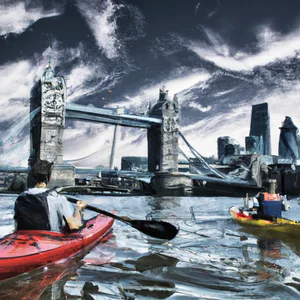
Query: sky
x,y
219,57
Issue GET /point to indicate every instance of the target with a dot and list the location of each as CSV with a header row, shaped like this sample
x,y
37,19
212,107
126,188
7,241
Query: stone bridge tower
x,y
163,149
47,130
53,92
163,140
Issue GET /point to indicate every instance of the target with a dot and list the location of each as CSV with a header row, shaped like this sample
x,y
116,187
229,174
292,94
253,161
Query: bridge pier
x,y
48,127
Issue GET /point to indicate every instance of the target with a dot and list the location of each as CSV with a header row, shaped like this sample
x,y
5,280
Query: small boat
x,y
25,250
251,218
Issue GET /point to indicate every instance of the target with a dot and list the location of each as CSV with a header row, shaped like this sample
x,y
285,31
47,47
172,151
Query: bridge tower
x,y
163,149
163,140
47,130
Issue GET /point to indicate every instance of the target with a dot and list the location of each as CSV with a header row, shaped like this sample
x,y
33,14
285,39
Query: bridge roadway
x,y
115,116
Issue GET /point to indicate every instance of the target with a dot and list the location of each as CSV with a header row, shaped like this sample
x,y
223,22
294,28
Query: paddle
x,y
157,229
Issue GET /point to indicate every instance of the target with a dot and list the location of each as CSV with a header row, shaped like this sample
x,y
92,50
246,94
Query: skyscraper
x,y
260,126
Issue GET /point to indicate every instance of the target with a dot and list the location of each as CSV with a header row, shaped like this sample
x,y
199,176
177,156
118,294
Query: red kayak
x,y
26,250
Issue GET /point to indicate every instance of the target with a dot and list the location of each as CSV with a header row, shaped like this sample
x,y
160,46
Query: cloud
x,y
174,85
198,106
59,56
203,134
219,94
197,7
19,74
86,79
16,82
272,47
104,17
85,76
266,36
101,18
18,78
15,154
214,11
16,17
76,81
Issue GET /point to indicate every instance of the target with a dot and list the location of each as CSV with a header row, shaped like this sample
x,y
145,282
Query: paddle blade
x,y
157,229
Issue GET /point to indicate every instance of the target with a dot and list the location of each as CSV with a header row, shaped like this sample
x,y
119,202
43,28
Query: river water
x,y
211,258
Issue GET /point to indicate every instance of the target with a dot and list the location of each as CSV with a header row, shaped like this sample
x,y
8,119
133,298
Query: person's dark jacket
x,y
32,212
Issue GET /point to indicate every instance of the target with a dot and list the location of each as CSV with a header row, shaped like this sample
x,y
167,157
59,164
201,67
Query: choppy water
x,y
211,258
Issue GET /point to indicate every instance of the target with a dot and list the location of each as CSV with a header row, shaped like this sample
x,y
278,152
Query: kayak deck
x,y
26,250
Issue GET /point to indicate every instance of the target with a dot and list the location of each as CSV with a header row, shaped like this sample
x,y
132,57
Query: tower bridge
x,y
47,127
49,109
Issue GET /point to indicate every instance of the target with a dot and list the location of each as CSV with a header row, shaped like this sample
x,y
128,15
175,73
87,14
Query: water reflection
x,y
165,203
153,261
289,240
269,248
151,265
48,282
42,283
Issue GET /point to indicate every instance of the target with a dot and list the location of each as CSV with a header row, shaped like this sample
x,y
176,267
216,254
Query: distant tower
x,y
288,140
260,126
227,146
254,144
223,141
163,140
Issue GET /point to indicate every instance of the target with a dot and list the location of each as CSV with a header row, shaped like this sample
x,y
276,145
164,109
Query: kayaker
x,y
43,209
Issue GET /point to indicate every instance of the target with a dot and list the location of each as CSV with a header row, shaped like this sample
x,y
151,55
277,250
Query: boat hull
x,y
286,226
26,250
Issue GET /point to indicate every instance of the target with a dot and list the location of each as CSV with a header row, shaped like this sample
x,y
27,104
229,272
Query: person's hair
x,y
42,170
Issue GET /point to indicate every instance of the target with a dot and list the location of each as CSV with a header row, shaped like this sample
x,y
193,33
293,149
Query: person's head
x,y
42,171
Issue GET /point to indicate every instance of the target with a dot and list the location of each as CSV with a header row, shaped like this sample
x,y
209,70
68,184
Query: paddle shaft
x,y
157,229
98,210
